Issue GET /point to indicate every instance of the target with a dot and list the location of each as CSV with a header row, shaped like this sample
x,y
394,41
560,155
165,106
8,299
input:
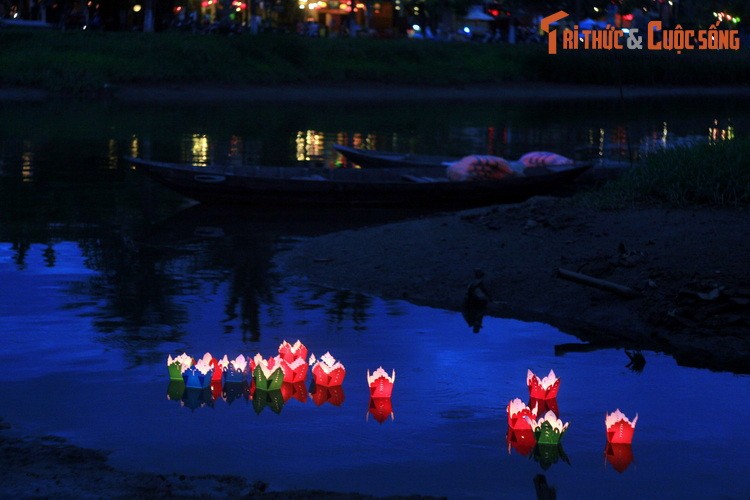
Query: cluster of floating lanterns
x,y
271,381
542,437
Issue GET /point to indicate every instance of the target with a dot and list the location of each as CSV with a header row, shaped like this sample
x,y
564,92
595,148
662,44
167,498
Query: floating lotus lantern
x,y
178,365
293,361
218,372
381,409
619,455
198,376
545,405
289,352
381,384
517,412
235,369
267,373
327,371
545,388
324,394
297,391
294,371
619,429
549,429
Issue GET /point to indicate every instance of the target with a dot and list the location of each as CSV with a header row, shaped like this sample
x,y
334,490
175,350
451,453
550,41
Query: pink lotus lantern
x,y
545,388
619,429
381,409
290,352
517,411
327,371
217,374
381,384
619,455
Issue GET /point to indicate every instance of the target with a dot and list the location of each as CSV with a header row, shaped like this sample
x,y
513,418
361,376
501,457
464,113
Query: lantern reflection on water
x,y
380,409
235,390
321,394
619,455
521,440
273,399
296,390
549,454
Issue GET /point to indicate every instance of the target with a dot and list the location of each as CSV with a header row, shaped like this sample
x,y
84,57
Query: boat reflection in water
x,y
235,390
296,390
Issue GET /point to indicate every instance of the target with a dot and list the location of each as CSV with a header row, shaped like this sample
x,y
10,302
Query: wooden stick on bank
x,y
607,286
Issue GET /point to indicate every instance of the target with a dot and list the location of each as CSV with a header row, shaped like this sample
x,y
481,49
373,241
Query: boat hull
x,y
347,187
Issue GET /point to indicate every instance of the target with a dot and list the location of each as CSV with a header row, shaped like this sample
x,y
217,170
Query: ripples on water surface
x,y
103,274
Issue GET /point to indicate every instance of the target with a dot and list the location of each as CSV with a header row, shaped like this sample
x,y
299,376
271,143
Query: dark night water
x,y
103,274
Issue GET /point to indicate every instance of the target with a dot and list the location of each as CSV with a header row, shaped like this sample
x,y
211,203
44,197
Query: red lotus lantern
x,y
545,405
289,352
327,371
516,411
381,384
619,429
545,388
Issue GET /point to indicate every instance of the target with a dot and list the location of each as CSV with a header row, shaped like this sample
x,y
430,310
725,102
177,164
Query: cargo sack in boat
x,y
479,167
543,159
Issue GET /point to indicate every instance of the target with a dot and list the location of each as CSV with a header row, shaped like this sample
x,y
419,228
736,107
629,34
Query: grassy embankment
x,y
83,62
713,175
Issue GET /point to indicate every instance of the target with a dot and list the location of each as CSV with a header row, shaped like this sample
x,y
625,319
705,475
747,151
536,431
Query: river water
x,y
103,274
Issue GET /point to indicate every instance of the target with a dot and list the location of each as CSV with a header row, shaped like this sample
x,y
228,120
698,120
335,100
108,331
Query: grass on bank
x,y
82,61
714,175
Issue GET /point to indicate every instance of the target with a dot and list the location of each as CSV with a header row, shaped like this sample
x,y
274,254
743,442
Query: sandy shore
x,y
690,268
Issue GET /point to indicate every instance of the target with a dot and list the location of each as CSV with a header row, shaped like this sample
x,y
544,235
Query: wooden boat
x,y
370,158
601,171
394,187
